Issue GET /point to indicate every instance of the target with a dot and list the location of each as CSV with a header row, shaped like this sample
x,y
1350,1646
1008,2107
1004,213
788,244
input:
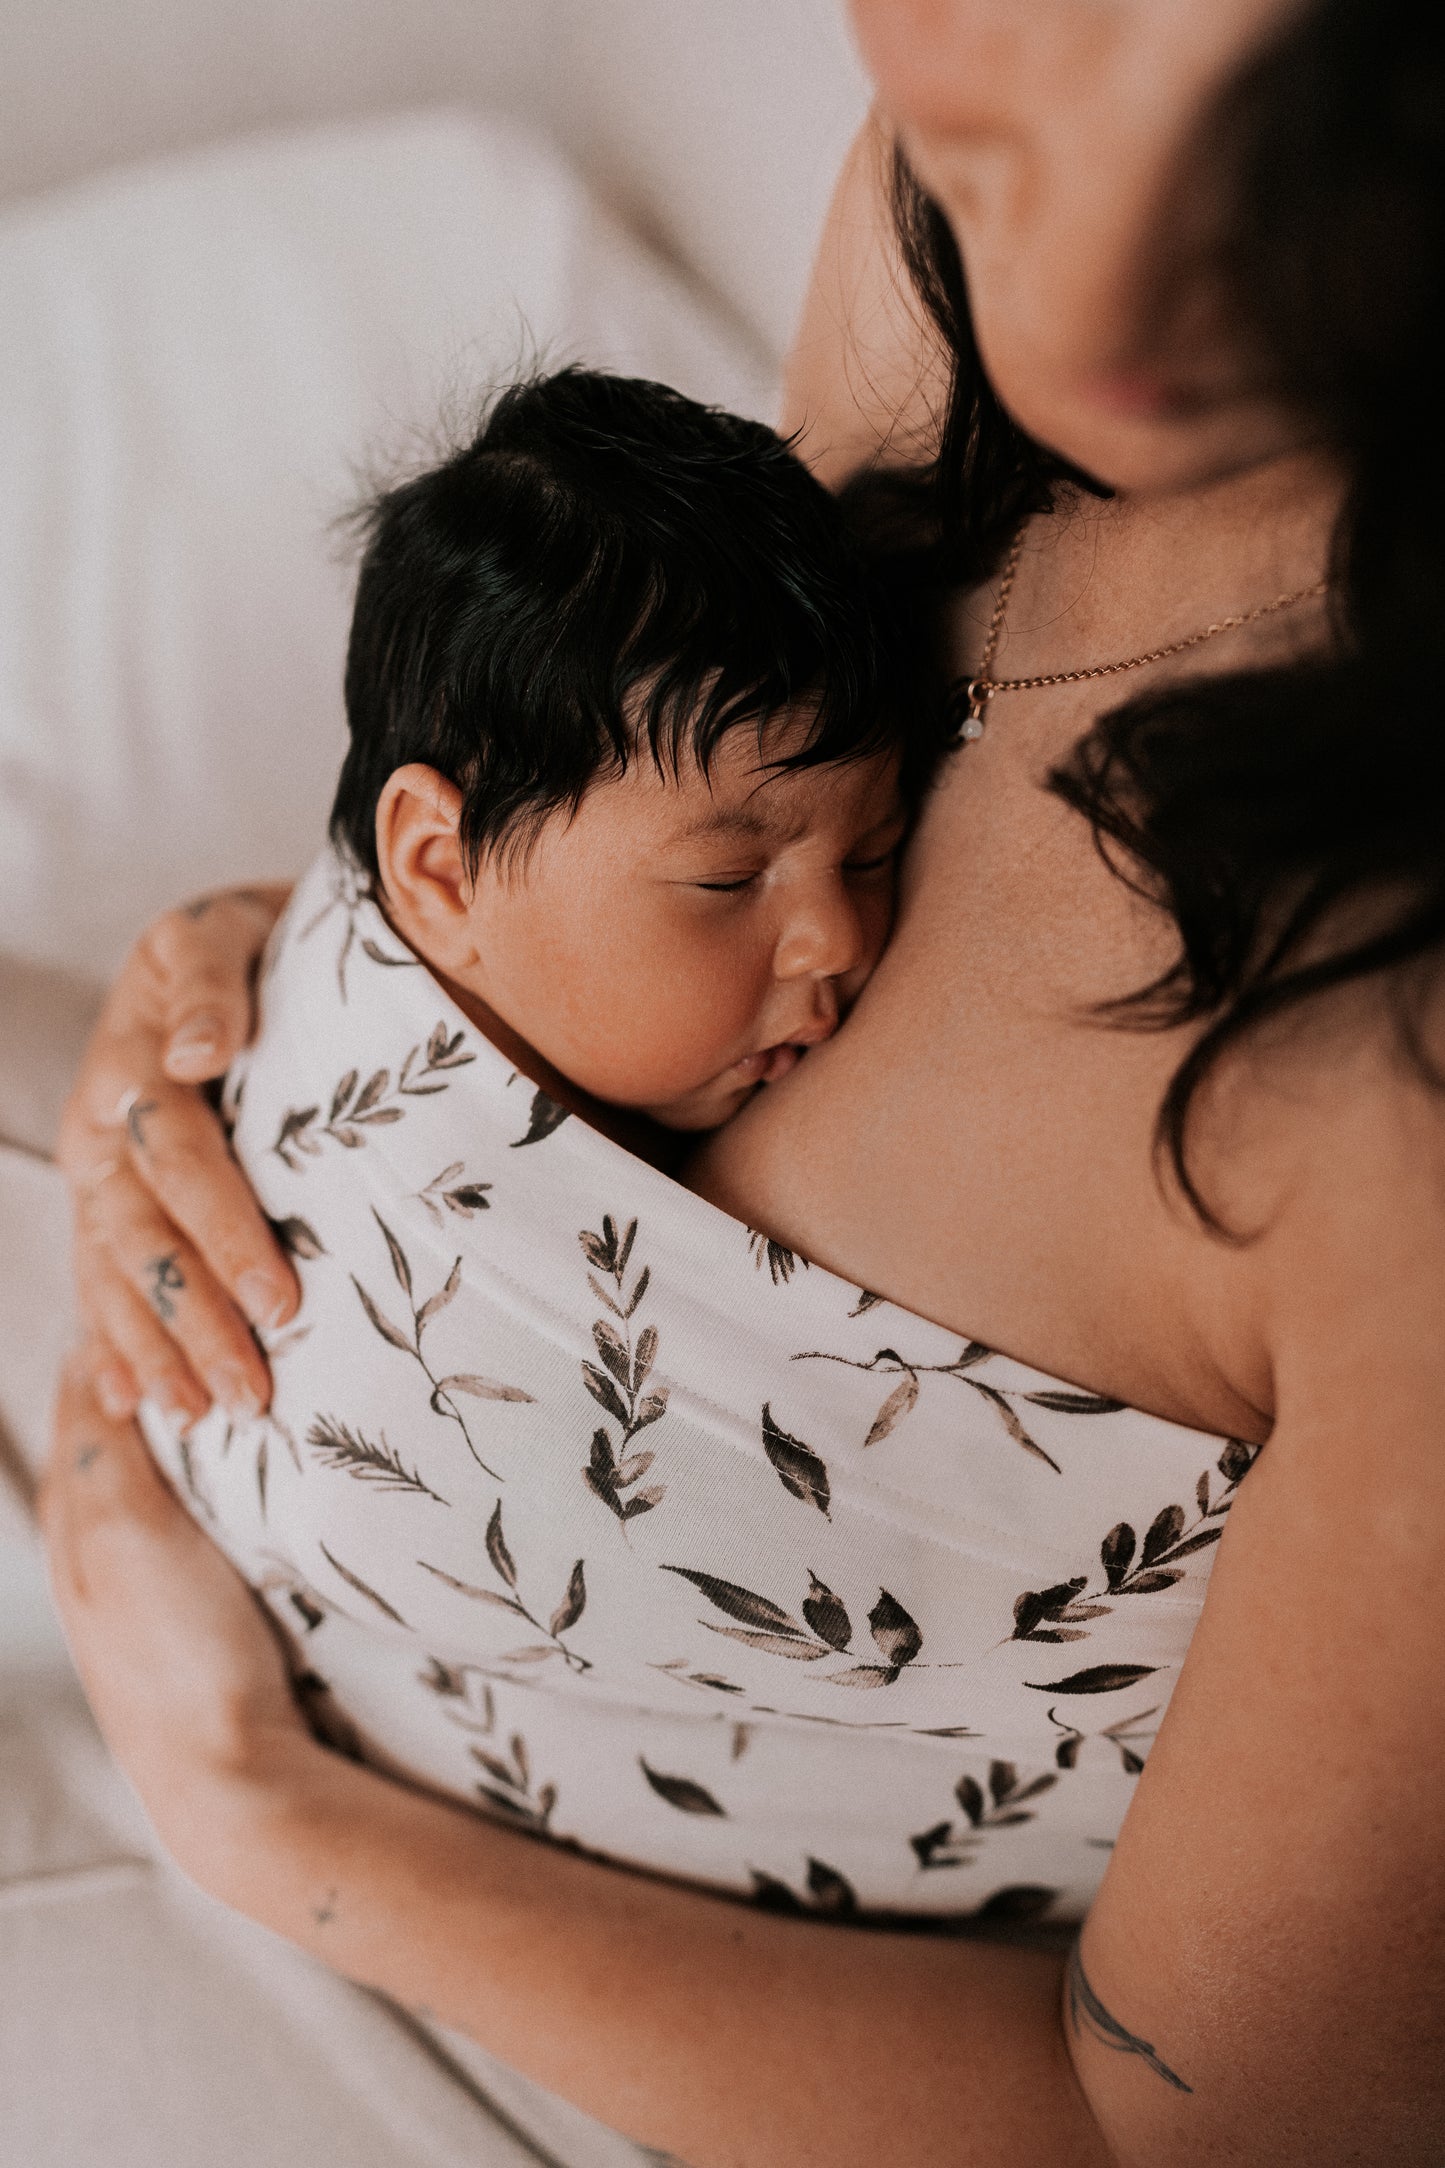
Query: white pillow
x,y
195,358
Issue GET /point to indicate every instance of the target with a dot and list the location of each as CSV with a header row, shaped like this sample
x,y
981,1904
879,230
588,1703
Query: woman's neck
x,y
1104,578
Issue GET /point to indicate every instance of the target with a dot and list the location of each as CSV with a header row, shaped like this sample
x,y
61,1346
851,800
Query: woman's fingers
x,y
183,1669
177,1151
184,1302
125,1185
117,1314
111,1375
204,954
161,1205
100,1489
174,1259
99,1469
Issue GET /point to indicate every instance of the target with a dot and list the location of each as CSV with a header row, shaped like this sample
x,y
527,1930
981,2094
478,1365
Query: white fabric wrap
x,y
581,1503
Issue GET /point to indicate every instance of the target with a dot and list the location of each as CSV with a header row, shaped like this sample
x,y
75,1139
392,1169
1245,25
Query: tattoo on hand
x,y
1088,2015
164,1280
135,1121
86,1458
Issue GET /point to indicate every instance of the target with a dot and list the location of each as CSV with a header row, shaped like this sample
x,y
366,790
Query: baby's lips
x,y
780,1060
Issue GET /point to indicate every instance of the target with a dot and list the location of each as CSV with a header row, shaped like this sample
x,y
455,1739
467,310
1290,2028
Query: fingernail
x,y
174,1403
262,1300
199,1038
114,1395
234,1393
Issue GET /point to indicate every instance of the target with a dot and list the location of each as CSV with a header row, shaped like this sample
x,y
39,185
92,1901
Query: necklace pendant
x,y
971,729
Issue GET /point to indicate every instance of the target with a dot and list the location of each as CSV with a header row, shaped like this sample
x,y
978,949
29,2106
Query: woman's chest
x,y
979,1143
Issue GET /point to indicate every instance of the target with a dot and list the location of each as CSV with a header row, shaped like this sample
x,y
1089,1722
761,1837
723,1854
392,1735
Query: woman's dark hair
x,y
610,566
1291,820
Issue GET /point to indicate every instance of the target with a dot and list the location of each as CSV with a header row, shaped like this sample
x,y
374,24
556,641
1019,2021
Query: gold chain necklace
x,y
978,690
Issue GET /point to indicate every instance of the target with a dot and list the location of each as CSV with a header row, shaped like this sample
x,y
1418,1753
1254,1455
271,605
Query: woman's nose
x,y
823,936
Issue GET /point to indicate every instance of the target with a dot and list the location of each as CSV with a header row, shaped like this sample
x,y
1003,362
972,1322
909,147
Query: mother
x,y
1204,268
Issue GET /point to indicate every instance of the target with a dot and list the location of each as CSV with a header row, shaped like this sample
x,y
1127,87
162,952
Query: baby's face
x,y
677,943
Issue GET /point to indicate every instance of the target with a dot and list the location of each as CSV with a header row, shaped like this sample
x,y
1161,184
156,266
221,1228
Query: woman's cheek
x,y
876,906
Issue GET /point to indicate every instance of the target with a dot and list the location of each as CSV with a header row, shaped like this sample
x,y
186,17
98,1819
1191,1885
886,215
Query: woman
x,y
1203,260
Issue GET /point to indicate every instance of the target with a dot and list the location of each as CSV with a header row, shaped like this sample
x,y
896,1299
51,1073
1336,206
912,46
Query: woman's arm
x,y
867,374
173,1259
1262,1978
730,2037
1272,1924
718,2033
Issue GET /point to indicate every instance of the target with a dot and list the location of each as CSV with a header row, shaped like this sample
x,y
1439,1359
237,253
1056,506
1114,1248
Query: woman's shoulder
x,y
1338,1190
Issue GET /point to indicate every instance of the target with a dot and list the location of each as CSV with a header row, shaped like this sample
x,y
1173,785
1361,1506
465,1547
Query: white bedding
x,y
195,356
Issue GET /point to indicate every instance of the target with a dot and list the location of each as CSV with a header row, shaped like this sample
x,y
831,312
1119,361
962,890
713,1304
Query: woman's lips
x,y
1138,395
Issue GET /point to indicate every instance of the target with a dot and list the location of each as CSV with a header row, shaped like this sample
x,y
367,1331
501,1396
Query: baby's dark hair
x,y
610,567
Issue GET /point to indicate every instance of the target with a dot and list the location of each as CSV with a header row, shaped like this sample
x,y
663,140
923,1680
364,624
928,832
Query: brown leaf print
x,y
443,1389
356,1107
681,1792
616,1380
800,1469
1063,1612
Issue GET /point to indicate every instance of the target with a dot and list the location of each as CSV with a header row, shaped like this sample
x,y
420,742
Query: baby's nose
x,y
823,938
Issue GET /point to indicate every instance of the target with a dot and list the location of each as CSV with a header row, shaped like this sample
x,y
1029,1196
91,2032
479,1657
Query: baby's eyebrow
x,y
725,821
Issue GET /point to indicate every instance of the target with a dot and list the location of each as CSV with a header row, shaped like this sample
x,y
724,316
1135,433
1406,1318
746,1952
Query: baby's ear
x,y
424,873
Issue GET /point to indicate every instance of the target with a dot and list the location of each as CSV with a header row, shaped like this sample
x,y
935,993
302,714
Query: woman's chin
x,y
1144,451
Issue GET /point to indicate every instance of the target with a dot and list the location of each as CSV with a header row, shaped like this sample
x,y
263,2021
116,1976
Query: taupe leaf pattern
x,y
684,1793
800,1468
1064,1611
900,1402
546,1117
362,1588
564,1616
368,1460
617,1379
1004,1806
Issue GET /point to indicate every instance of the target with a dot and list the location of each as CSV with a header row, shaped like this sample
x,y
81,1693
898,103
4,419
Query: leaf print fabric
x,y
619,1521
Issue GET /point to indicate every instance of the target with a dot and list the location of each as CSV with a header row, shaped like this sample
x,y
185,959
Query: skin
x,y
1271,1929
759,900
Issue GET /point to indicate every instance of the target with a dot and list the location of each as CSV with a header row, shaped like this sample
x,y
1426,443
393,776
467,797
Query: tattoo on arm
x,y
164,1280
135,1121
1088,2015
86,1458
325,1912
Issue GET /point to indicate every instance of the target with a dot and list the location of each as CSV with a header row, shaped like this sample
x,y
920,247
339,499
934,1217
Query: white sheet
x,y
194,356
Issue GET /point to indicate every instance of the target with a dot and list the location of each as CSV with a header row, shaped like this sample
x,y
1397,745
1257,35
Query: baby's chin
x,y
718,1100
700,1110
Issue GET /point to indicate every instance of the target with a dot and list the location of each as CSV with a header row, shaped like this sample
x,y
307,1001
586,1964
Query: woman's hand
x,y
174,1261
180,1663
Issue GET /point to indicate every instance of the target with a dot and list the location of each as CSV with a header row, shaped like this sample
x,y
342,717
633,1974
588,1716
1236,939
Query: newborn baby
x,y
632,747
635,736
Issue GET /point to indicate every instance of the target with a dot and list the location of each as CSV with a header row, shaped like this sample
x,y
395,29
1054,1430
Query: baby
x,y
635,736
633,743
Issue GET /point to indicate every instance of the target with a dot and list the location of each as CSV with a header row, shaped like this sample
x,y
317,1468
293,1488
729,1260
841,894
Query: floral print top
x,y
589,1506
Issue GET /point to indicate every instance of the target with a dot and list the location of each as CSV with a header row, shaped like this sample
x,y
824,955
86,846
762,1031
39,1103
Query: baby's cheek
x,y
639,1003
668,1040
